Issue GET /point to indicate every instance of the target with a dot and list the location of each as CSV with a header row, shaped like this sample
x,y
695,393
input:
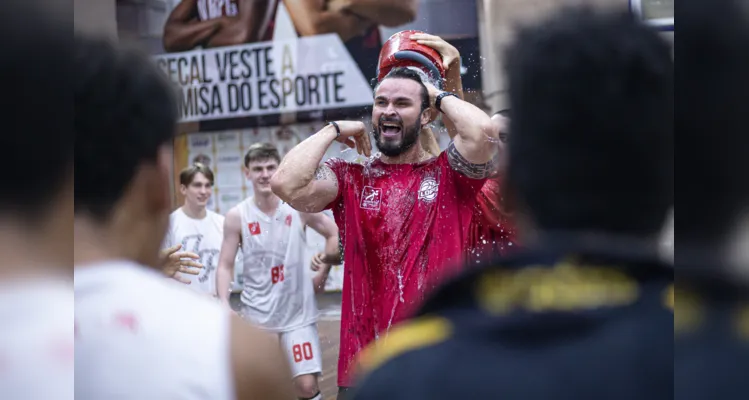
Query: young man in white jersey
x,y
36,207
196,228
277,295
138,334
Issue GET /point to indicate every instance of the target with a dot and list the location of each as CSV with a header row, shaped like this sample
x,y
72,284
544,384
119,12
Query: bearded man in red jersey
x,y
403,216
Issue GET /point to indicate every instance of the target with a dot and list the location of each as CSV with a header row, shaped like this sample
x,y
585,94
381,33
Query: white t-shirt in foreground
x,y
141,336
36,340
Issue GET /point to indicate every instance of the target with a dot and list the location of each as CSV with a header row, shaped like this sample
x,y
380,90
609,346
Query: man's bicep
x,y
319,193
459,163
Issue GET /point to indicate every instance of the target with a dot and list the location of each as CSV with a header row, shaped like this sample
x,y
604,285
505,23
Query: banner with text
x,y
304,74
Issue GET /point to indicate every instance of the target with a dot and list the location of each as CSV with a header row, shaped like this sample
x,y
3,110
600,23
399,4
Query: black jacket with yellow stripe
x,y
564,320
711,332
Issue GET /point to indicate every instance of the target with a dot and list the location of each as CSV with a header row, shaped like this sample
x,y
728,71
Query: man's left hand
x,y
433,92
174,261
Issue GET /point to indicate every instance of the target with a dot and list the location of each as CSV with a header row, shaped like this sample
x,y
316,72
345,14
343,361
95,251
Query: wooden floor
x,y
328,328
329,339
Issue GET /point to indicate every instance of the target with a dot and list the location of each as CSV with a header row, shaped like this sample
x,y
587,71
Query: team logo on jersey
x,y
254,228
428,189
370,198
288,220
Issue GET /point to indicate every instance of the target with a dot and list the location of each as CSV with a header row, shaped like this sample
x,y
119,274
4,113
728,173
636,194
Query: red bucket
x,y
400,51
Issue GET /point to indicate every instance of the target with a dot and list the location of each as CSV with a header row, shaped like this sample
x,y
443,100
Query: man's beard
x,y
409,136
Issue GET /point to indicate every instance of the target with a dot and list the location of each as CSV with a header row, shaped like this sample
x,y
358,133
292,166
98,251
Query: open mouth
x,y
390,129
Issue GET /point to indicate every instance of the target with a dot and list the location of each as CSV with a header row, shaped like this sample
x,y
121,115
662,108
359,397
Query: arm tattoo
x,y
324,173
471,170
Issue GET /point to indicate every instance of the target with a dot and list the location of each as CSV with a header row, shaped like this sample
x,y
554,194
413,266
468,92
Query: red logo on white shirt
x,y
370,198
126,320
254,228
288,220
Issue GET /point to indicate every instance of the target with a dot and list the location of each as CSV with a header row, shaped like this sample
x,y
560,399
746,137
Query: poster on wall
x,y
229,168
228,198
228,141
200,150
255,135
251,58
265,79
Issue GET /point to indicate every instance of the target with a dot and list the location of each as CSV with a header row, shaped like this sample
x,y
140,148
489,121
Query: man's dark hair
x,y
713,77
408,73
261,152
591,96
125,111
37,130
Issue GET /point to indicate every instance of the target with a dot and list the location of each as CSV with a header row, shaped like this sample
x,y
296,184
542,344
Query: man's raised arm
x,y
473,151
301,181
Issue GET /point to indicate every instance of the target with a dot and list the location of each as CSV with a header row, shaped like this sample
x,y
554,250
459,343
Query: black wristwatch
x,y
337,129
438,100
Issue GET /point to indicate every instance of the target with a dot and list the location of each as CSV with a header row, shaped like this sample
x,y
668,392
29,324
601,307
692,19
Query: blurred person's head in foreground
x,y
125,118
591,153
713,102
36,197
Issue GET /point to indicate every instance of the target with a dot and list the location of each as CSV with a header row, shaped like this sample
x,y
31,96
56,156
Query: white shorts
x,y
302,347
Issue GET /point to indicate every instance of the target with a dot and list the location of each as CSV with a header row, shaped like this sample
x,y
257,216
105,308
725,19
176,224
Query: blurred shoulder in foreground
x,y
711,321
36,205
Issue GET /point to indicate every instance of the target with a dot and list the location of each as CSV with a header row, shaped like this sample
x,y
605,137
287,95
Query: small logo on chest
x,y
371,197
288,220
254,228
428,189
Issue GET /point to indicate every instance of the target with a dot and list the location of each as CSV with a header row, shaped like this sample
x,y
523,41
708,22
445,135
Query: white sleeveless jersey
x,y
200,236
140,335
36,340
277,292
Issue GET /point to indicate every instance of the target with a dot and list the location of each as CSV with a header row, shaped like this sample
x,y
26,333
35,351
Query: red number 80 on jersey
x,y
302,352
276,274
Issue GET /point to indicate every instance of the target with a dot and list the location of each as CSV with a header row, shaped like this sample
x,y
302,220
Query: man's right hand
x,y
354,135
